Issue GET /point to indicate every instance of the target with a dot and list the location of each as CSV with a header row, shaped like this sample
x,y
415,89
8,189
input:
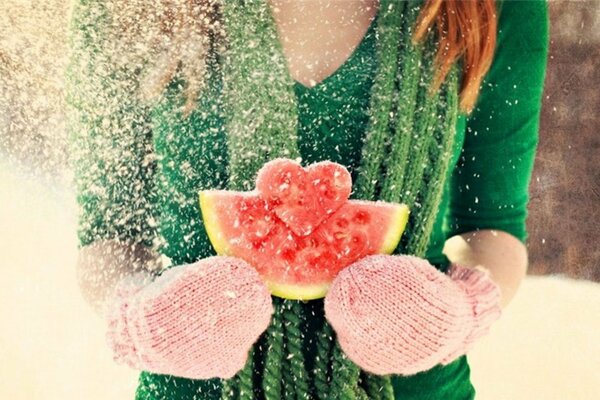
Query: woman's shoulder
x,y
521,46
525,23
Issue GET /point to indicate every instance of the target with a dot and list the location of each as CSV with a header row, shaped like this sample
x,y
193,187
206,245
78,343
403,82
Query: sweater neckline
x,y
345,65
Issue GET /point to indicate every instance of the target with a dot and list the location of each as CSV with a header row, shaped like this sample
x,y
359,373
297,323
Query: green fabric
x,y
110,133
260,107
404,158
493,153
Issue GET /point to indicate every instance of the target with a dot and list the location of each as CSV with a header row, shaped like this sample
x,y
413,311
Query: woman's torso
x,y
332,120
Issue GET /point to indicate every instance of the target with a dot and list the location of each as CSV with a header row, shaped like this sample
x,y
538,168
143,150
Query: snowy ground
x,y
52,346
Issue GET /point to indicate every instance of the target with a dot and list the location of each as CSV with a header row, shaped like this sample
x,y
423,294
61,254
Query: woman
x,y
389,104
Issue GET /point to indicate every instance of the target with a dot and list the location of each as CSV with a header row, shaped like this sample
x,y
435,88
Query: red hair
x,y
465,28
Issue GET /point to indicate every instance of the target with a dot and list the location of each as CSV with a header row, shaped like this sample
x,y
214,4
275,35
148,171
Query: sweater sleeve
x,y
489,186
109,131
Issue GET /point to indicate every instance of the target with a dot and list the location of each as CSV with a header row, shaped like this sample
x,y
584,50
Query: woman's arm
x,y
104,263
501,253
422,315
489,196
111,154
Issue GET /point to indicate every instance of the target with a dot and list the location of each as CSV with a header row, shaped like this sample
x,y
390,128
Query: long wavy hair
x,y
182,32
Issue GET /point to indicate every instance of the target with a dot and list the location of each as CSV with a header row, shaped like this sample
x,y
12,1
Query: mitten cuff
x,y
118,335
483,296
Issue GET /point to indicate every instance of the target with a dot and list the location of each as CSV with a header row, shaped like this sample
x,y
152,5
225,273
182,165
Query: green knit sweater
x,y
138,169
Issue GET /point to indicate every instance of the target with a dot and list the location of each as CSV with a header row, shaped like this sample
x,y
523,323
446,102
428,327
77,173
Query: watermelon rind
x,y
400,219
298,292
211,223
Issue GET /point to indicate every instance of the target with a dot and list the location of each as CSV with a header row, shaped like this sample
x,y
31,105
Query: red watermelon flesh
x,y
303,198
248,225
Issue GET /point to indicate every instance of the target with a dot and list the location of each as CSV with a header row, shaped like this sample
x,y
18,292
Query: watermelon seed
x,y
342,222
361,217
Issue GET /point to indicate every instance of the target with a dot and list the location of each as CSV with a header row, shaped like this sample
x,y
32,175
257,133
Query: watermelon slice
x,y
298,228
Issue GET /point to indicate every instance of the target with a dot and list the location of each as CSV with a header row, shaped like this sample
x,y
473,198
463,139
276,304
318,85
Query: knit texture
x,y
257,91
483,296
139,168
400,315
256,99
197,321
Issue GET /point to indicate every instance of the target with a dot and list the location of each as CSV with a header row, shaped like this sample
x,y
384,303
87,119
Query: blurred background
x,y
52,345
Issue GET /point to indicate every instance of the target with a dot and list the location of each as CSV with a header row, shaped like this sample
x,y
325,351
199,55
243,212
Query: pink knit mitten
x,y
196,321
400,315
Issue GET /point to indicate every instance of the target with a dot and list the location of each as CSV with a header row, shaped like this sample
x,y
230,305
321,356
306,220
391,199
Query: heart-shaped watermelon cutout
x,y
298,228
303,198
